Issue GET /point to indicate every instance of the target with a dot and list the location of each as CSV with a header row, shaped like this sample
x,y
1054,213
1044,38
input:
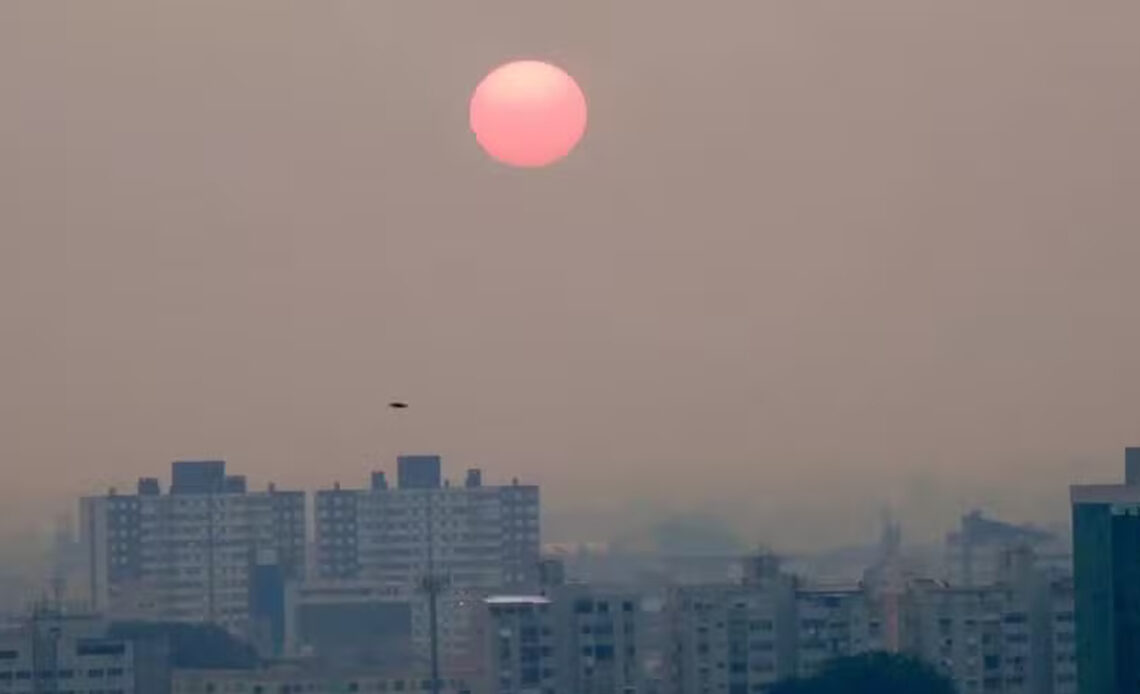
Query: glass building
x,y
1106,562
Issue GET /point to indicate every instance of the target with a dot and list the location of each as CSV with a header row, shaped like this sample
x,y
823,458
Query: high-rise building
x,y
1106,575
198,554
472,540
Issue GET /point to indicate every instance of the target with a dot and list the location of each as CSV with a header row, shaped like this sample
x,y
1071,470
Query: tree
x,y
872,673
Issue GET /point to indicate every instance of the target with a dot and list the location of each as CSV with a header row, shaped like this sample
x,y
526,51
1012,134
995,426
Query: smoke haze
x,y
812,258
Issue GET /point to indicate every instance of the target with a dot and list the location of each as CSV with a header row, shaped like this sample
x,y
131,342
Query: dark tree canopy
x,y
872,673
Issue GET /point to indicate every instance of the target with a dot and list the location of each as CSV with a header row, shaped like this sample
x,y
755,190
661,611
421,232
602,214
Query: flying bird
x,y
397,405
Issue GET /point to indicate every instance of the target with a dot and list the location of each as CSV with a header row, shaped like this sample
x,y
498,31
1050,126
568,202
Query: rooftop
x,y
517,600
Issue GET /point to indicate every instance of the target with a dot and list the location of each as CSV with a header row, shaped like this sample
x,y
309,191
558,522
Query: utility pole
x,y
432,584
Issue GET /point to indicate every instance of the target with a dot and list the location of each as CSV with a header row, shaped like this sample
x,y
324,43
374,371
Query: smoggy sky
x,y
812,258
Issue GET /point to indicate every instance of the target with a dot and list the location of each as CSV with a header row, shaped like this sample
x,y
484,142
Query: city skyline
x,y
592,347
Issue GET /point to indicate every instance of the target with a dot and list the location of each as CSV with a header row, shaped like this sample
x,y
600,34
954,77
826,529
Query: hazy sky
x,y
812,258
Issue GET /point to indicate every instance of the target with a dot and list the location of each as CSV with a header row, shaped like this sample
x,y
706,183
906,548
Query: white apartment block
x,y
188,555
475,539
733,638
1013,636
833,623
599,639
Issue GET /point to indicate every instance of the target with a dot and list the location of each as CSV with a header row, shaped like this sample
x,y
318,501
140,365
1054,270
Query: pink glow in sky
x,y
528,113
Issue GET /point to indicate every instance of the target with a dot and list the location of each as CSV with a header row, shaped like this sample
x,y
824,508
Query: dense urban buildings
x,y
1106,564
305,680
744,637
1011,635
207,551
570,638
57,653
1006,617
469,539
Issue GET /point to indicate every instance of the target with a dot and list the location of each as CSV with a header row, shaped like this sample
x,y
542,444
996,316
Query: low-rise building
x,y
735,638
520,646
52,652
311,680
358,623
598,640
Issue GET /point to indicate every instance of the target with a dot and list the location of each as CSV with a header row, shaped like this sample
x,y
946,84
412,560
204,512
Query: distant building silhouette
x,y
974,552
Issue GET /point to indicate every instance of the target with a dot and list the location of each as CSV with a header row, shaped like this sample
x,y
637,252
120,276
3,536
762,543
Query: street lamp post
x,y
433,584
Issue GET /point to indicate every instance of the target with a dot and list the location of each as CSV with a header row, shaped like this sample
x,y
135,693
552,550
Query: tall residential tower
x,y
191,555
470,540
1106,575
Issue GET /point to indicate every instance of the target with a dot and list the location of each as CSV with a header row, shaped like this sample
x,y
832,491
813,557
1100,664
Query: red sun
x,y
528,113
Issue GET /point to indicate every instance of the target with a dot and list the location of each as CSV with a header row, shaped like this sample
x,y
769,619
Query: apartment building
x,y
470,539
190,555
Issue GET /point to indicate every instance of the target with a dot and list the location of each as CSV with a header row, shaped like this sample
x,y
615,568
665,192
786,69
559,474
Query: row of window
x,y
66,674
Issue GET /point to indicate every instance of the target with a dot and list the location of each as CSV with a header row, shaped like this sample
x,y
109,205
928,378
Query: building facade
x,y
519,645
1013,635
349,624
472,539
736,638
599,640
479,536
1106,576
312,680
191,555
58,653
